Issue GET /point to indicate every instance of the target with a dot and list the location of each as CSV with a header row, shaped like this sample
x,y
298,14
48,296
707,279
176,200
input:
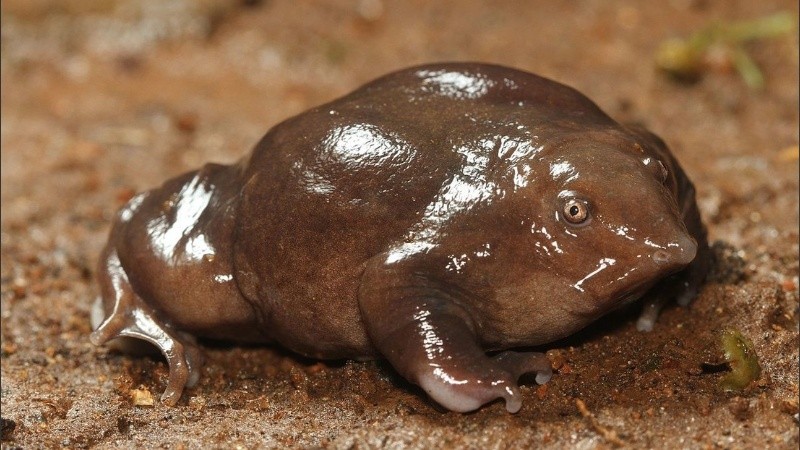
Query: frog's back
x,y
327,190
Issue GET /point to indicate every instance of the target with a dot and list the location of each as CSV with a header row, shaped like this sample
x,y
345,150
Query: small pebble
x,y
141,397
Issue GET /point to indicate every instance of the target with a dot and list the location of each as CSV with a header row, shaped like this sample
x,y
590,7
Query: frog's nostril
x,y
661,256
679,253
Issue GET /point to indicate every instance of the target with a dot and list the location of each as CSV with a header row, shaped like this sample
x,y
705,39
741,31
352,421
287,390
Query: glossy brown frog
x,y
428,217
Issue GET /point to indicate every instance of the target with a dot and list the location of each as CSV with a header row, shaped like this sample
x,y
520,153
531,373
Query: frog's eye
x,y
658,168
662,171
575,211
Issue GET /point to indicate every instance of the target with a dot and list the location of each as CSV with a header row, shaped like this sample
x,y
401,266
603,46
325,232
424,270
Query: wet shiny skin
x,y
428,217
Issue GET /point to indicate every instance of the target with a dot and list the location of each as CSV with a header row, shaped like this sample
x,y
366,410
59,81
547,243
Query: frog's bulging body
x,y
430,216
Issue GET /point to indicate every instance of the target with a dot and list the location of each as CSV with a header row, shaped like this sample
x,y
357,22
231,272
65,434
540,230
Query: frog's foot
x,y
133,318
182,354
468,391
650,311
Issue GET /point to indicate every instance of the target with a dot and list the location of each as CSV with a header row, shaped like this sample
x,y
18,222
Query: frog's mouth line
x,y
633,294
619,301
637,291
630,298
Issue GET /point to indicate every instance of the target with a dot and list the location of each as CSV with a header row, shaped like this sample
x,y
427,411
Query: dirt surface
x,y
101,99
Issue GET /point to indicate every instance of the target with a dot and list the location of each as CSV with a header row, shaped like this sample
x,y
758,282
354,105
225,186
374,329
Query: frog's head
x,y
615,217
602,226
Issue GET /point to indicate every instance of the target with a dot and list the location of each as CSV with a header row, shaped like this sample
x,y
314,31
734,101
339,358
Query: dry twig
x,y
609,435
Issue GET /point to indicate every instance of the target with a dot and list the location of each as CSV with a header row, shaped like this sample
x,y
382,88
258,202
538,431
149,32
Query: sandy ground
x,y
101,99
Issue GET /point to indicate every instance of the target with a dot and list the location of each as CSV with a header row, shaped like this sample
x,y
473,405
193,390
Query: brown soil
x,y
104,98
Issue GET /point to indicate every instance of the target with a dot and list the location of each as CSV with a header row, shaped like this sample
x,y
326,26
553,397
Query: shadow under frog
x,y
428,217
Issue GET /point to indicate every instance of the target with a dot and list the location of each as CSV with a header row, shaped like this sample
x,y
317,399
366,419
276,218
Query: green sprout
x,y
742,358
686,59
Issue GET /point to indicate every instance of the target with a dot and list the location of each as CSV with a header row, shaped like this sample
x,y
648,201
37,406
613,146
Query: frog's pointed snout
x,y
678,253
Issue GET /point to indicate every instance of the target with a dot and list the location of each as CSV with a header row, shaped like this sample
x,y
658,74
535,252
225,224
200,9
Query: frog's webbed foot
x,y
464,389
131,317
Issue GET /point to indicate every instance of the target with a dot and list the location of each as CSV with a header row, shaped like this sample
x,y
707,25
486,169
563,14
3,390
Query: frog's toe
x,y
647,320
184,359
686,297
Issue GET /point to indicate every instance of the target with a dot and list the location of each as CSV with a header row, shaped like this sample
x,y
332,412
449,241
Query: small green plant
x,y
742,359
687,59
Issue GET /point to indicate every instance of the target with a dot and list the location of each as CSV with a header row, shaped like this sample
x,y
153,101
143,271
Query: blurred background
x,y
104,98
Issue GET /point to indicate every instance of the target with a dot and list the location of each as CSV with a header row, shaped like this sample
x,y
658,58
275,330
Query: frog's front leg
x,y
432,342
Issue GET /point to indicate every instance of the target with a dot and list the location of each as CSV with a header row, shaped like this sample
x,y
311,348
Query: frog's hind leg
x,y
131,317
